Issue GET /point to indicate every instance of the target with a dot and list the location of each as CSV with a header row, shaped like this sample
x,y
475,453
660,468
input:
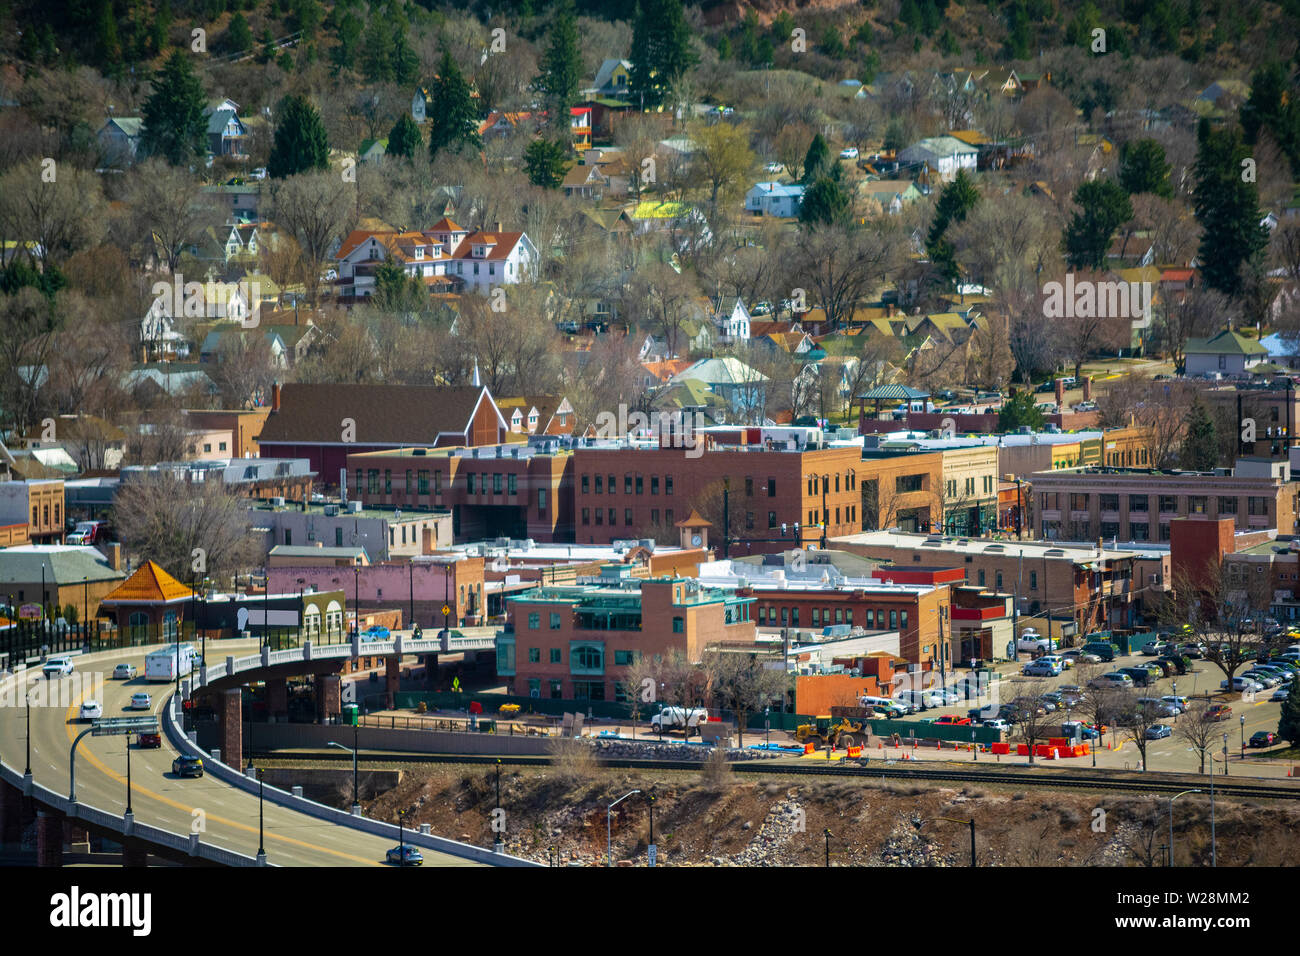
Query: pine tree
x,y
1201,446
1143,169
661,50
300,140
404,138
826,202
348,32
544,160
1227,207
454,119
376,51
1288,724
1020,410
1103,208
239,37
816,161
561,66
956,200
174,127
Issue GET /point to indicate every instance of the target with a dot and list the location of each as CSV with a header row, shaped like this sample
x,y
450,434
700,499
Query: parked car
x,y
124,672
57,667
1263,738
1113,679
1030,640
1240,683
850,152
1155,648
1103,650
951,720
187,766
1041,668
1065,662
1161,708
1140,676
1192,649
1159,731
1080,656
92,710
1177,701
1219,712
1074,728
1282,693
141,701
405,855
997,723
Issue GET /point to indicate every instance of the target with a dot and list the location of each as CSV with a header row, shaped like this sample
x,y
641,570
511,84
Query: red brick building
x,y
625,491
327,423
576,642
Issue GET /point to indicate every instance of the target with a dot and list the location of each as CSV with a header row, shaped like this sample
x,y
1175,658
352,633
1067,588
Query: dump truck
x,y
836,731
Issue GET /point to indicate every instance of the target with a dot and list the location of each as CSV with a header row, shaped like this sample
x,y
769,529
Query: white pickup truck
x,y
670,717
1030,640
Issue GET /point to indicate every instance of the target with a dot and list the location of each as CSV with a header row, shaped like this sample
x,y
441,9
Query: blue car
x,y
405,855
1159,731
375,633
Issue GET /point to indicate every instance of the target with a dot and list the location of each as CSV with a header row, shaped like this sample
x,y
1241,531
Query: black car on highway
x,y
187,766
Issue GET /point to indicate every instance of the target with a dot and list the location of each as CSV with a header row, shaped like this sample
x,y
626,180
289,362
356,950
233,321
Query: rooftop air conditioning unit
x,y
354,507
331,511
277,502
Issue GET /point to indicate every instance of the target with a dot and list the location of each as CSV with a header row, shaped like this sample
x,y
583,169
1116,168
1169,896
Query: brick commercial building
x,y
384,533
1091,586
511,490
900,488
1138,504
626,489
962,496
57,575
327,423
1271,410
38,504
244,426
576,642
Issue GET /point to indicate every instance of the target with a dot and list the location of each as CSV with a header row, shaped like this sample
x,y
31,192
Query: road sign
x,y
106,726
446,610
652,852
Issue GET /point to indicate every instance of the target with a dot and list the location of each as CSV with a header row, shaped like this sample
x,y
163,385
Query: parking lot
x,y
1117,751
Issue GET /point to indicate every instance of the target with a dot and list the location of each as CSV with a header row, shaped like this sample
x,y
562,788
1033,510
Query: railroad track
x,y
1047,779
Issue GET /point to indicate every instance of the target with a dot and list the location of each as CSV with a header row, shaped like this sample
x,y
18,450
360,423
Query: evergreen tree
x,y
239,38
405,61
1274,107
956,200
454,119
661,50
1020,410
826,202
404,138
174,126
1142,169
1201,446
376,51
1227,207
817,160
107,45
561,66
300,140
1288,724
544,161
1103,208
348,32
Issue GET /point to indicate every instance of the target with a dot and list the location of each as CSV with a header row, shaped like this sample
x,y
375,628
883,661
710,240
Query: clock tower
x,y
694,532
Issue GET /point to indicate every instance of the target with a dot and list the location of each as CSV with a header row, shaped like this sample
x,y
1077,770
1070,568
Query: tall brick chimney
x,y
1060,394
114,555
275,396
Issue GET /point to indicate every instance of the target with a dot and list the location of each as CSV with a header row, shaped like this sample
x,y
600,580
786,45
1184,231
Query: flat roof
x,y
955,544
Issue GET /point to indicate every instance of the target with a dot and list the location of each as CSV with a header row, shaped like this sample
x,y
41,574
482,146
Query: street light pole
x,y
609,827
261,848
828,847
128,775
1171,820
1243,736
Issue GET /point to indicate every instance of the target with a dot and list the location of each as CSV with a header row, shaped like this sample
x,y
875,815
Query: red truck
x,y
89,533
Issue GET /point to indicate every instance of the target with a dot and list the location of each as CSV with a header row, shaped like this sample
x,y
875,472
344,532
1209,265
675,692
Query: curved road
x,y
228,815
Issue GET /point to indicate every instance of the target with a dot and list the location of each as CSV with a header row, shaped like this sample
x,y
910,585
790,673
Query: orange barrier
x,y
1058,742
855,752
809,748
1022,750
1001,748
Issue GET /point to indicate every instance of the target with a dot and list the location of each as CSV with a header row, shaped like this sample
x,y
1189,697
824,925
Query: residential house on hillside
x,y
240,202
226,133
743,387
119,139
538,414
500,124
487,259
888,195
1228,353
732,318
691,397
944,154
363,251
586,182
580,127
228,341
775,199
612,79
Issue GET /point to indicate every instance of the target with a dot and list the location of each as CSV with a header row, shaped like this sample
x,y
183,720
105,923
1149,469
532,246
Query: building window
x,y
999,580
626,658
679,625
372,481
557,689
555,620
1137,503
469,482
1168,504
541,501
422,477
668,516
1139,532
794,617
534,655
388,481
627,485
1109,502
611,485
556,655
654,484
893,620
1227,506
906,483
749,486
1033,580
771,519
771,487
627,516
288,537
749,521
668,485
586,516
600,516
1164,532
338,537
1196,505
586,485
600,485
639,485
534,621
981,577
654,515
496,483
816,617
902,620
611,517
1257,506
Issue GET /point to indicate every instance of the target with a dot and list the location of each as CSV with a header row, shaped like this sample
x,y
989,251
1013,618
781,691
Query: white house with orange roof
x,y
419,255
486,259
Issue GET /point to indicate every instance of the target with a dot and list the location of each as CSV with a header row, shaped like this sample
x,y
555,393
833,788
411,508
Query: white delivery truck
x,y
670,717
161,665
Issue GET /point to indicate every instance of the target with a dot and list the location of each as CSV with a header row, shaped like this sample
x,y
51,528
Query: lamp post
x,y
609,827
1171,819
261,848
828,847
27,700
1225,755
356,803
128,776
1243,736
651,849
